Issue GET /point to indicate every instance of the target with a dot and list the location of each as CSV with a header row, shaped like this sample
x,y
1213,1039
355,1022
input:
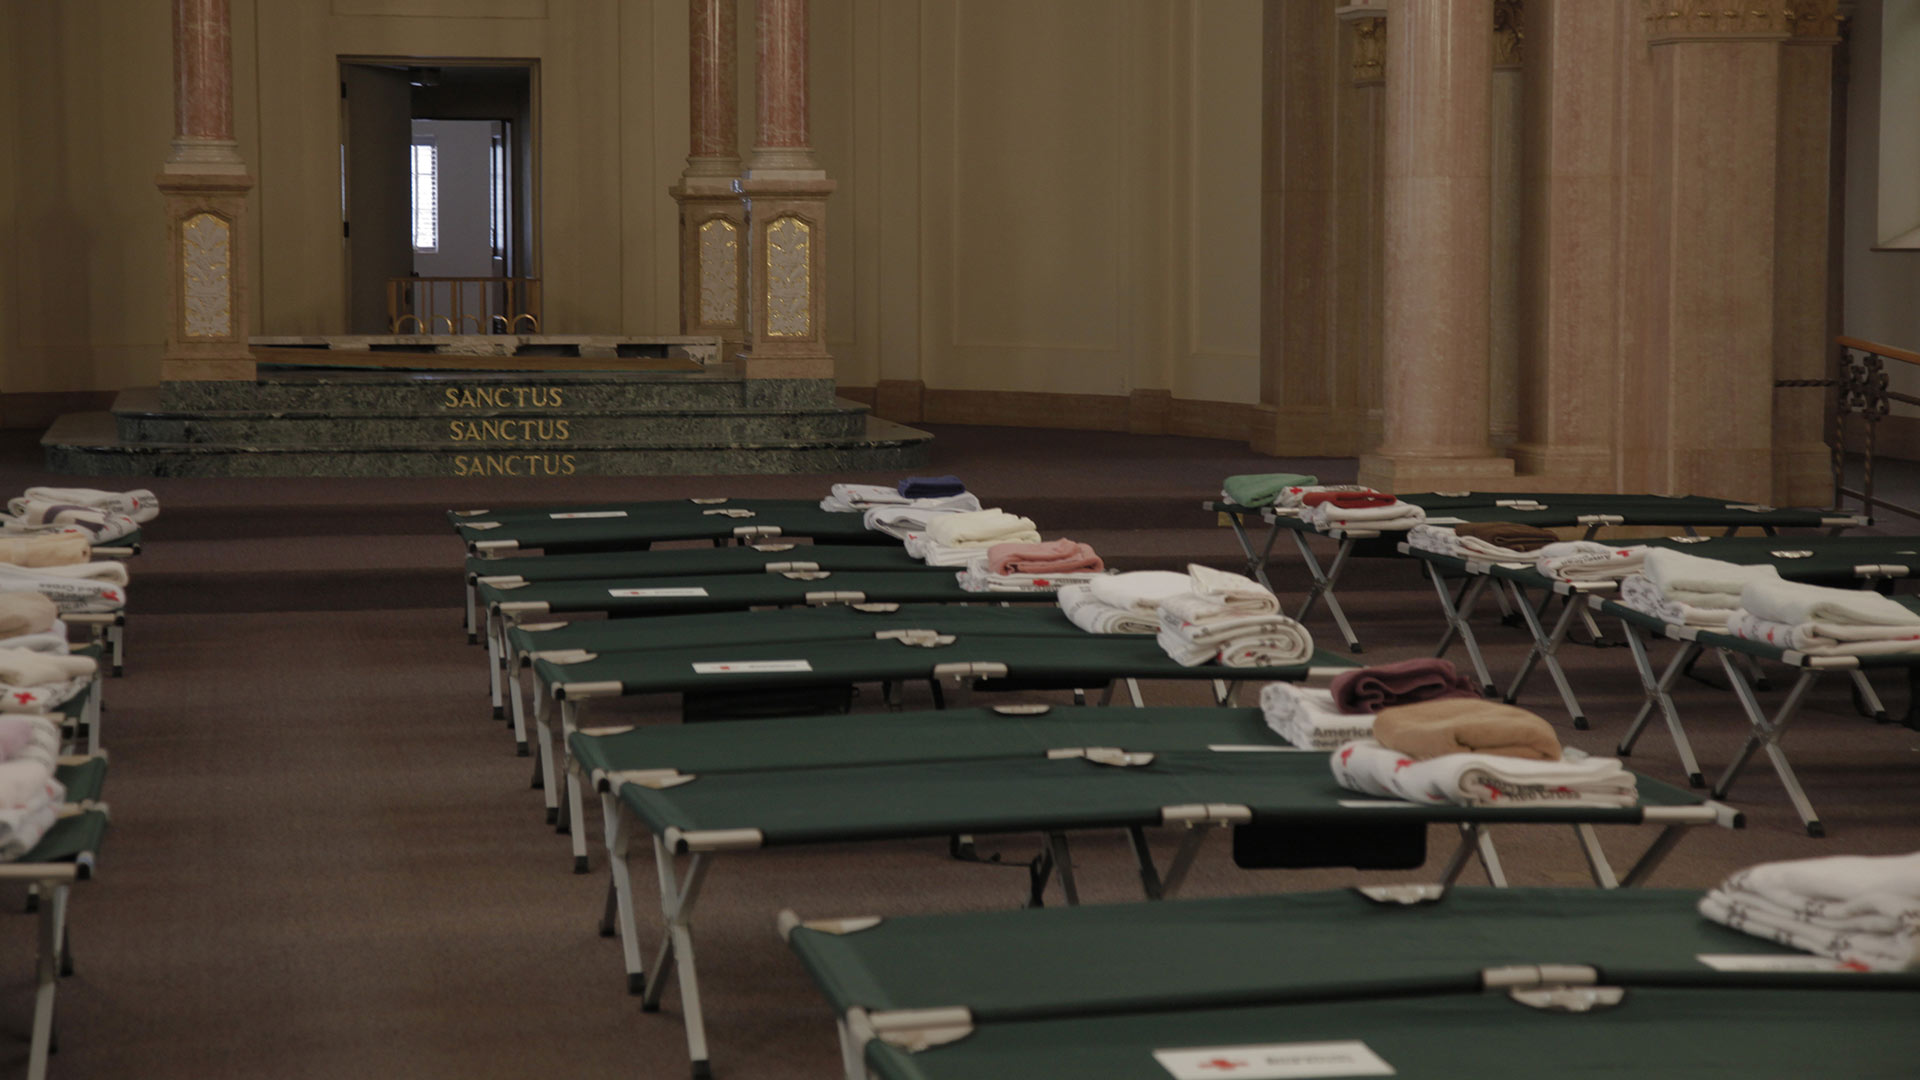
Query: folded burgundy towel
x,y
1348,500
1370,689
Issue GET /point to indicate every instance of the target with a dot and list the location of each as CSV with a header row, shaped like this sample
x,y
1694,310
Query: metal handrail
x,y
1860,388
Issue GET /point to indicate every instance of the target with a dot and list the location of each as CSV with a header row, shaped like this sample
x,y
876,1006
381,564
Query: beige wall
x,y
1035,195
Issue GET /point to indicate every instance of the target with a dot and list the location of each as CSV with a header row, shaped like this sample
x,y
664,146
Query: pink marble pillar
x,y
204,184
1439,68
783,143
203,86
714,106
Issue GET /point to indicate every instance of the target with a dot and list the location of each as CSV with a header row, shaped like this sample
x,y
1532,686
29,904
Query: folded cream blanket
x,y
84,587
904,521
45,549
1795,602
1676,571
101,526
1305,716
1860,909
1141,590
978,577
1826,639
24,667
1397,517
26,613
1089,614
1582,560
29,738
922,547
1460,725
1194,630
30,801
1234,592
1638,592
138,504
1482,779
53,640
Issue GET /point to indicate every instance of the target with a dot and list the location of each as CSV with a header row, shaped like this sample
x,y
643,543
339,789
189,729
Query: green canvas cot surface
x,y
1053,962
688,562
70,838
1753,1034
1092,659
737,592
833,621
628,529
1032,792
651,508
131,540
83,780
920,736
1759,649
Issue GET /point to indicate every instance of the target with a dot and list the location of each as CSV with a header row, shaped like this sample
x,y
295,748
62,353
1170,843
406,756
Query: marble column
x,y
1438,238
204,185
1570,262
786,197
713,218
1700,374
1802,338
1304,407
1503,327
1359,214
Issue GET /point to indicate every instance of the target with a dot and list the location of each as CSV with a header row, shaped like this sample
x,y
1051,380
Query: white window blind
x,y
426,194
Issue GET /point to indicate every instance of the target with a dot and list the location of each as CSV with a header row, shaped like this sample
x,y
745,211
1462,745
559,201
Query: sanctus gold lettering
x,y
503,397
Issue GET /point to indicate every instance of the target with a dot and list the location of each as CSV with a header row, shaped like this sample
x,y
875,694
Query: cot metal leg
x,y
91,714
493,667
1106,696
1767,733
1597,864
1475,841
1867,696
1150,884
117,647
1323,583
1256,564
1655,855
677,901
1183,858
572,815
1133,692
543,749
853,1061
1544,647
510,665
473,592
1063,864
48,976
620,884
1457,625
1659,693
1594,636
1224,692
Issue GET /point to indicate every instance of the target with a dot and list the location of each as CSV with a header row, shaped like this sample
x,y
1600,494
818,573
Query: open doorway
x,y
438,188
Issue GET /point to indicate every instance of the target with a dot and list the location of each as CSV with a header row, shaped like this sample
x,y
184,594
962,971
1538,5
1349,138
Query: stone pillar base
x,y
786,279
1416,473
207,277
1802,474
1585,468
1284,431
713,261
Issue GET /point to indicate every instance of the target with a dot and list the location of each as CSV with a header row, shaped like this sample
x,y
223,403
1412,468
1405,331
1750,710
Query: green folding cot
x,y
1545,510
1767,729
65,854
634,509
125,547
1517,1032
964,661
703,790
900,980
507,604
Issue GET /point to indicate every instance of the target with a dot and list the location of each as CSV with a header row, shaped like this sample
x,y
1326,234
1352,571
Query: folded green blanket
x,y
1259,489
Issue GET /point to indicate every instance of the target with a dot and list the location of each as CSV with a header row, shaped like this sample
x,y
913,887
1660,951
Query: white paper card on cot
x,y
1274,1061
749,667
657,592
1762,962
587,514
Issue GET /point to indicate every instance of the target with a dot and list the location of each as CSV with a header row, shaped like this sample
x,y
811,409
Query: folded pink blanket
x,y
1061,556
1370,689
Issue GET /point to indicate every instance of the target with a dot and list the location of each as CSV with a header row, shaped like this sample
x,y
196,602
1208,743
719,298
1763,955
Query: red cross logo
x,y
1223,1064
1345,754
1854,965
110,595
1401,764
24,697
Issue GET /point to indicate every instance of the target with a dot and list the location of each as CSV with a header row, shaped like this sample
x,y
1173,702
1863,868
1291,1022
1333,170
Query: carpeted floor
x,y
326,861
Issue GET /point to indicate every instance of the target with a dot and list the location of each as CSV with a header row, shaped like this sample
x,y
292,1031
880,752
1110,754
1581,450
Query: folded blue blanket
x,y
931,487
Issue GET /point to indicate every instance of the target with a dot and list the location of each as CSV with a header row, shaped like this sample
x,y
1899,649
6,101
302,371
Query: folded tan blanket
x,y
50,549
1429,729
26,613
1507,534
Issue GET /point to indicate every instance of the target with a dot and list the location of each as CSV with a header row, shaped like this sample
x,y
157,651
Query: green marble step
x,y
138,422
409,393
88,444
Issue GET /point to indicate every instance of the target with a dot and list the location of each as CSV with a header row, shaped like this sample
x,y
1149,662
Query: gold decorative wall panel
x,y
719,273
789,278
207,289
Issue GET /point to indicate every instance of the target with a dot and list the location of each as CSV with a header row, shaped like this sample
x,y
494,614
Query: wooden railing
x,y
1859,388
463,305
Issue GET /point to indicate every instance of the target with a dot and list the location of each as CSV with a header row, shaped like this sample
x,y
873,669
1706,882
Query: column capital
x,y
1673,21
1369,50
1817,22
1508,35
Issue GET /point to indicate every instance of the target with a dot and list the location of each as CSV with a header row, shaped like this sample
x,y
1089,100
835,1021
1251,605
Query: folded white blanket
x,y
1305,716
29,738
1194,631
1638,592
30,801
848,498
981,528
1395,517
1583,560
1483,779
79,591
1141,590
1826,639
976,578
47,641
1089,614
1439,539
903,521
1676,570
138,504
922,547
1796,602
24,667
1860,909
1236,592
101,526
